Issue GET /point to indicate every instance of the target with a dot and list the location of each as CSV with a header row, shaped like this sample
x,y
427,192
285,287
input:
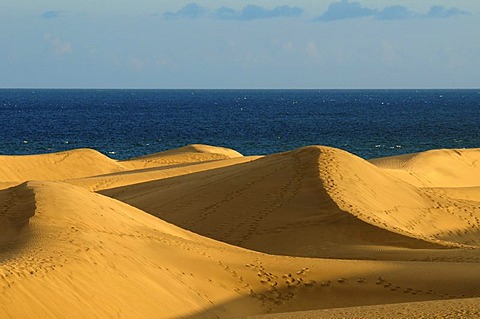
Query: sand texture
x,y
204,232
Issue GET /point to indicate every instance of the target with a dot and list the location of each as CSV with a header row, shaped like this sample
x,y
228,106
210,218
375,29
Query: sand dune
x,y
66,251
436,168
193,153
344,200
87,162
16,208
56,166
459,308
137,176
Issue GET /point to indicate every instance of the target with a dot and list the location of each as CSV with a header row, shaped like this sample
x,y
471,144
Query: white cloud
x,y
161,62
59,46
388,52
313,52
288,46
136,64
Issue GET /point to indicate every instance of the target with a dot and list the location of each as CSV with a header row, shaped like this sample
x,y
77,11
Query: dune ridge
x,y
311,230
86,162
421,212
142,175
192,153
344,198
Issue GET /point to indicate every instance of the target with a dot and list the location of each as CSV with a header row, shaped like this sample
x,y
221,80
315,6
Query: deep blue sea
x,y
129,123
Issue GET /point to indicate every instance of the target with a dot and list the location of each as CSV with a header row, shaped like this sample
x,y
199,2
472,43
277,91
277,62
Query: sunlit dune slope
x,y
87,255
136,176
376,194
83,255
308,202
436,168
458,308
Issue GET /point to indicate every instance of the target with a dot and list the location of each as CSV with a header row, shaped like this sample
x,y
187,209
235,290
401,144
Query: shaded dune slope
x,y
17,206
92,256
344,200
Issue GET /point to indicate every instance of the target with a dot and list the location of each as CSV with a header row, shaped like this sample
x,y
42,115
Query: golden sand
x,y
204,232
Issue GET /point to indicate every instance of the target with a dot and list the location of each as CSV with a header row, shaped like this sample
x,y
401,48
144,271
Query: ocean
x,y
129,123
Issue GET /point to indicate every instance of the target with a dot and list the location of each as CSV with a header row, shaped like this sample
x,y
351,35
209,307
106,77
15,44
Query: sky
x,y
302,44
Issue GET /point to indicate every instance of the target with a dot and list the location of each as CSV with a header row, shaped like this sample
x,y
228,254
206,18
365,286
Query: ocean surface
x,y
128,123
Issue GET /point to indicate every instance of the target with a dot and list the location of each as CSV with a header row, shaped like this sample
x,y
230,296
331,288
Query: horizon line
x,y
240,89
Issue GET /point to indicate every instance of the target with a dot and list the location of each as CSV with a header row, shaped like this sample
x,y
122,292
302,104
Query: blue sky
x,y
240,44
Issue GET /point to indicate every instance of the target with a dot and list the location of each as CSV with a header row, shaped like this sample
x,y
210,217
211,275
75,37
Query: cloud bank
x,y
395,13
253,12
442,12
52,14
339,10
190,10
247,13
345,9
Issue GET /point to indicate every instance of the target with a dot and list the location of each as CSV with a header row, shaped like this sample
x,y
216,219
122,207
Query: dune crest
x,y
143,175
377,196
193,153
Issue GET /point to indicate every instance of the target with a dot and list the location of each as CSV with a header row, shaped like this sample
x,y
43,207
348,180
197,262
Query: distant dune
x,y
436,168
56,166
204,232
193,153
